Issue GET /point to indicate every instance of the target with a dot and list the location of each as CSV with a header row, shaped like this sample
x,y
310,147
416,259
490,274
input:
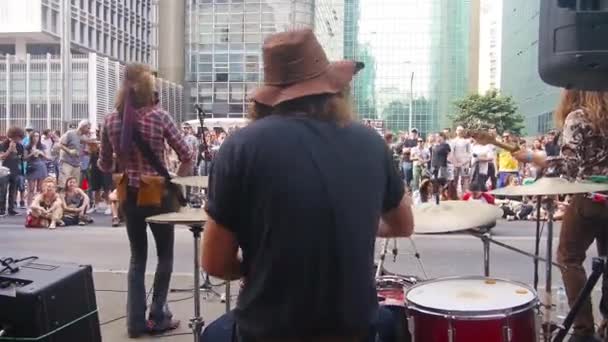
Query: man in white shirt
x,y
482,157
421,156
461,159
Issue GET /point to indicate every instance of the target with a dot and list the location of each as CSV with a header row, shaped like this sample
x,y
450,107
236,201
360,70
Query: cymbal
x,y
453,216
195,181
186,216
548,186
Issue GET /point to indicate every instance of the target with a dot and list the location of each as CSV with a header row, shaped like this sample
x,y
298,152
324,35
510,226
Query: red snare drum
x,y
471,309
391,294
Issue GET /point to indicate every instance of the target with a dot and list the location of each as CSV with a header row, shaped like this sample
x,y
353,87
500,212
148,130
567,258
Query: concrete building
x,y
31,92
490,41
105,34
535,99
224,46
124,30
171,26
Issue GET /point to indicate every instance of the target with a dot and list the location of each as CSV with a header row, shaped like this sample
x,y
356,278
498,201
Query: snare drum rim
x,y
472,314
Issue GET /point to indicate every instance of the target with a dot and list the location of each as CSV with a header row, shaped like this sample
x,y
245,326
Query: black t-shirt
x,y
439,155
304,198
14,161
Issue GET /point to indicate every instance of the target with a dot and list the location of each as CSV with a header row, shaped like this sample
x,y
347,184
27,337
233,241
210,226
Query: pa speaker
x,y
49,302
573,44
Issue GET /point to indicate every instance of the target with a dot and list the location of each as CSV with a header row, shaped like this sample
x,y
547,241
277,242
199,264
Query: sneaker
x,y
115,222
12,212
22,205
108,211
2,212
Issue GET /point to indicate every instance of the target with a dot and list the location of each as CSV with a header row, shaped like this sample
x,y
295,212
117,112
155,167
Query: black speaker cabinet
x,y
52,302
573,44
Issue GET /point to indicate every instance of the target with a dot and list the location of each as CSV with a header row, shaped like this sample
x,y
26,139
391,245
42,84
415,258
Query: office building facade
x,y
427,39
224,46
535,99
490,45
31,90
123,30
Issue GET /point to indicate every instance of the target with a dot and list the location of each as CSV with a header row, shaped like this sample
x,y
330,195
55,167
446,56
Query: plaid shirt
x,y
155,125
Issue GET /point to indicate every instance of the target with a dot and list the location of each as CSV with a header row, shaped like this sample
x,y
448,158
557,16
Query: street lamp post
x,y
66,61
411,101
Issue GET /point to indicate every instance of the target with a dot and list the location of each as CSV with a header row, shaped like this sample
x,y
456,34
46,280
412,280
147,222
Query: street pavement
x,y
107,249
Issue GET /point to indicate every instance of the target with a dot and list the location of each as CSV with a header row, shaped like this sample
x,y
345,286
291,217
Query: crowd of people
x,y
54,177
31,159
467,169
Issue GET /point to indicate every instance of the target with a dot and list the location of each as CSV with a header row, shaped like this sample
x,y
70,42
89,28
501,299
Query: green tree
x,y
395,115
489,110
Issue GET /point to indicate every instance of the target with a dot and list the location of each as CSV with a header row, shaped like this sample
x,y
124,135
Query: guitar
x,y
483,137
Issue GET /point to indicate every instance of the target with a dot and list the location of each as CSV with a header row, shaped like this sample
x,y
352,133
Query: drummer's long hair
x,y
329,107
593,103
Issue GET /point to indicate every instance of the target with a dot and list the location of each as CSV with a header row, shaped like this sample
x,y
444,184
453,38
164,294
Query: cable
x,y
171,335
8,262
112,320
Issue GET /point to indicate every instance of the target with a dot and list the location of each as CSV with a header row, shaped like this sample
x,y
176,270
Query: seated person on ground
x,y
76,203
47,207
477,192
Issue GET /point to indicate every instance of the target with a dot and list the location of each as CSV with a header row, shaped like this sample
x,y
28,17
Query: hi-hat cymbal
x,y
195,181
186,216
453,216
549,186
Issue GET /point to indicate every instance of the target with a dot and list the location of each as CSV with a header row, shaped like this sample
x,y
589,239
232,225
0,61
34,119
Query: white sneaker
x,y
223,298
108,211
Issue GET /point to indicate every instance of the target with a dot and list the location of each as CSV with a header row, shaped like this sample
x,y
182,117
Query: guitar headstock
x,y
481,136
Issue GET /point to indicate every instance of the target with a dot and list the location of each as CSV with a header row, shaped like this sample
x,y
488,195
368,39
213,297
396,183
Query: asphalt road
x,y
107,248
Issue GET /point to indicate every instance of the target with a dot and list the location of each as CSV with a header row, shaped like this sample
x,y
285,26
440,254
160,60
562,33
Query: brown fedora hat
x,y
295,66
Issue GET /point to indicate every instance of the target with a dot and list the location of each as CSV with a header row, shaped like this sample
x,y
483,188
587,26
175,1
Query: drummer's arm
x,y
397,219
528,156
398,222
219,257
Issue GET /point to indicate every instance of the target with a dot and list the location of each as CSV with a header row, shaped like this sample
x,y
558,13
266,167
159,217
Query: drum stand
x,y
197,323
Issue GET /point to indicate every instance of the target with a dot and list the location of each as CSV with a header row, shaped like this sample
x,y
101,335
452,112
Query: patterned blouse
x,y
584,150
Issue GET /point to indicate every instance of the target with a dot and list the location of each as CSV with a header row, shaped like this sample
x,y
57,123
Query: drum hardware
x,y
599,265
195,219
486,238
380,267
549,186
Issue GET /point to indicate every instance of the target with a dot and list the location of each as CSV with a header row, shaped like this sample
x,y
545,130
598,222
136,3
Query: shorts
x,y
100,181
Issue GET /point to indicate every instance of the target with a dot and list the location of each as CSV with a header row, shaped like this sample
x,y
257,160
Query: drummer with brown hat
x,y
301,191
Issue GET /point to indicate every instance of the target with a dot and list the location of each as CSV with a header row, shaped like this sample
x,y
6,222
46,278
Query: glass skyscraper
x,y
224,45
395,38
535,99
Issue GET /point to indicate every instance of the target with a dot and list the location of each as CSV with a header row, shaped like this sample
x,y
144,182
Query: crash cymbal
x,y
195,181
548,186
186,216
453,216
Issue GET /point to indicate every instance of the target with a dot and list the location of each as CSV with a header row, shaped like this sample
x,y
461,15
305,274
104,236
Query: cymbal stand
x,y
598,268
547,324
485,239
197,323
380,268
537,242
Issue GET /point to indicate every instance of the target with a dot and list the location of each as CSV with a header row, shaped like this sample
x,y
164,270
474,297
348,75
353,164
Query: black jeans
x,y
8,185
164,237
224,329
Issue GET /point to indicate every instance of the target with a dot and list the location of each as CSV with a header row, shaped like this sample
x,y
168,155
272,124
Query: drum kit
x,y
468,308
472,308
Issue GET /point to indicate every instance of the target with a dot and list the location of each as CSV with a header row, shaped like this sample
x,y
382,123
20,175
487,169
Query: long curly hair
x,y
141,82
330,107
593,103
